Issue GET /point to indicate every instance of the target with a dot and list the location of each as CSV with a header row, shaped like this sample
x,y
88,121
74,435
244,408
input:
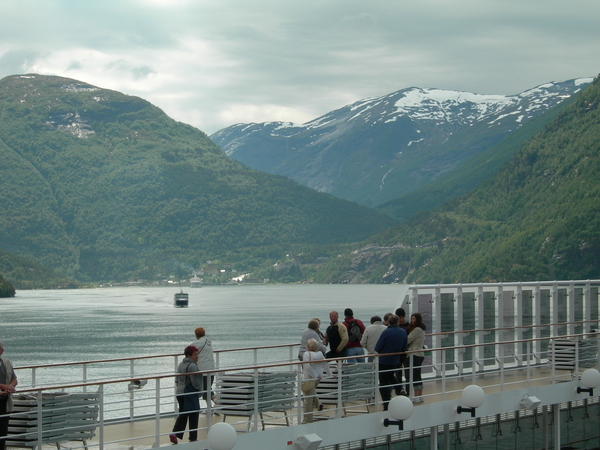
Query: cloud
x,y
213,64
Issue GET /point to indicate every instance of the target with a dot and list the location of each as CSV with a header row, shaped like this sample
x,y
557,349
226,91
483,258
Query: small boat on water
x,y
195,282
181,299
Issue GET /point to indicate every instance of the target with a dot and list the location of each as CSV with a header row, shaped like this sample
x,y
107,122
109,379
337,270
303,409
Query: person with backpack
x,y
355,329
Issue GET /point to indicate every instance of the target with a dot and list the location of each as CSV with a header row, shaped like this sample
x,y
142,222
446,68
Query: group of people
x,y
390,337
198,356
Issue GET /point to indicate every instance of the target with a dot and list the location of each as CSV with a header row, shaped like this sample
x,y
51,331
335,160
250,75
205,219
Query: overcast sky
x,y
214,63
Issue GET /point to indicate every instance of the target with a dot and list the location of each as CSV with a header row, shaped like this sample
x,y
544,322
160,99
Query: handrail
x,y
504,284
292,363
135,358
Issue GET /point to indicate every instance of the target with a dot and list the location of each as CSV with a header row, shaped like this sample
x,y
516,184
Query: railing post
x,y
85,376
460,353
299,393
101,417
537,331
376,383
340,404
528,349
33,372
131,401
40,429
443,359
256,414
519,322
157,415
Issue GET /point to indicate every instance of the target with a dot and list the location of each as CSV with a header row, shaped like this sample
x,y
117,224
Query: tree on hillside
x,y
6,289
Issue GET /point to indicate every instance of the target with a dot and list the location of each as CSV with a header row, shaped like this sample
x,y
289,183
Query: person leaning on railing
x,y
8,382
392,340
311,332
206,361
187,389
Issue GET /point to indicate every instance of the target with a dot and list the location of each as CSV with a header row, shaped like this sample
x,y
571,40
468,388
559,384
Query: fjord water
x,y
45,327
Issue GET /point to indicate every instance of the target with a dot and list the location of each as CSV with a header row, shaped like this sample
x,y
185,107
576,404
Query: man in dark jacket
x,y
392,340
337,337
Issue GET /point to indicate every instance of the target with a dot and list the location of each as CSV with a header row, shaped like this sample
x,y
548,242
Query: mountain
x,y
103,186
536,219
382,148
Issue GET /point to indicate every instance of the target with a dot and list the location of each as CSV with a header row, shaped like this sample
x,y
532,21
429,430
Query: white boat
x,y
195,282
530,350
181,299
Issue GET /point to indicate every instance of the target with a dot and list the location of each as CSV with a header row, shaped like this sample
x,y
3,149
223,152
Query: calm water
x,y
39,327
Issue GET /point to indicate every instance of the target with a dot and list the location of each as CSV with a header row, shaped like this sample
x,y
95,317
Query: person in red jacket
x,y
355,331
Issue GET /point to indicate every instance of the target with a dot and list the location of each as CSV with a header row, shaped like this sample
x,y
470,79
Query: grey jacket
x,y
187,366
10,375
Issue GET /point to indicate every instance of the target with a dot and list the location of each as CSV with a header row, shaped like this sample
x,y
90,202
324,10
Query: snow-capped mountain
x,y
381,148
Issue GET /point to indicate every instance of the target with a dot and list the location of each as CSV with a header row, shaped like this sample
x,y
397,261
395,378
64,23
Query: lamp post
x,y
472,396
400,408
590,378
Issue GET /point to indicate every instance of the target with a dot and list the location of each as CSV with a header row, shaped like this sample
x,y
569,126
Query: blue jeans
x,y
356,351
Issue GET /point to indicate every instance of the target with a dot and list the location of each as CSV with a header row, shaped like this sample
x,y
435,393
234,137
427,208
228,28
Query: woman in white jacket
x,y
311,375
206,361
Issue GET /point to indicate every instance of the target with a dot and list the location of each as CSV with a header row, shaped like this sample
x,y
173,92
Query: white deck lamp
x,y
222,436
472,396
400,408
590,378
530,402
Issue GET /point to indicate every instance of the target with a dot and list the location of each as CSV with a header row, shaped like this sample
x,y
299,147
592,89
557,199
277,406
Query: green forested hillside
x,y
26,274
537,219
104,186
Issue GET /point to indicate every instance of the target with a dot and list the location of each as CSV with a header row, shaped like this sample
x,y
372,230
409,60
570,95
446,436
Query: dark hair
x,y
387,316
348,312
418,322
189,350
393,320
375,319
400,312
313,324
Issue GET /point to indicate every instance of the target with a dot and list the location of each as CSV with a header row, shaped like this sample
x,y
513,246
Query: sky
x,y
215,63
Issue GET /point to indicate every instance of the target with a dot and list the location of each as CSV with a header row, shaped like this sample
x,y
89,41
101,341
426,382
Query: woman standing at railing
x,y
206,361
187,389
312,332
311,375
416,339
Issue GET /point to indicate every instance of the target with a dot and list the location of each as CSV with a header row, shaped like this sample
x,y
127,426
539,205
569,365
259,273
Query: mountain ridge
x,y
104,187
380,148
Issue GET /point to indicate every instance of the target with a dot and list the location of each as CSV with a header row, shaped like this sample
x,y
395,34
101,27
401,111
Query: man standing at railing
x,y
371,335
392,340
355,329
8,382
337,337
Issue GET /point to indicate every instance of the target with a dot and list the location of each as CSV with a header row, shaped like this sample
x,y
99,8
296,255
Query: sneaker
x,y
417,400
403,392
173,439
321,407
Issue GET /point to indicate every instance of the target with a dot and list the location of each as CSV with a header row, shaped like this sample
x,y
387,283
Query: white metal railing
x,y
247,394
